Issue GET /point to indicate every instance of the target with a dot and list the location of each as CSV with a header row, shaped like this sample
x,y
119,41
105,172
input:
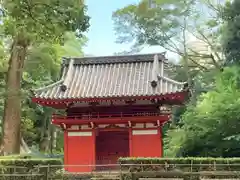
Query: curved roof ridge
x,y
115,59
49,86
171,80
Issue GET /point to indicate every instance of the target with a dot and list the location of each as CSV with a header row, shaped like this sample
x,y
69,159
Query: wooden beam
x,y
111,120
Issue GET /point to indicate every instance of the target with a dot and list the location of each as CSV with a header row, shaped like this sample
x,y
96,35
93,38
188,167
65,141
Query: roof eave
x,y
137,97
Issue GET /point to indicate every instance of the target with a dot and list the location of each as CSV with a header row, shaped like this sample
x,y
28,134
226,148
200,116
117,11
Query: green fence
x,y
186,168
126,169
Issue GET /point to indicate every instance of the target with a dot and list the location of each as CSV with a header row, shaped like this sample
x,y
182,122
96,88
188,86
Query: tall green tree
x,y
42,68
231,37
169,24
211,127
28,23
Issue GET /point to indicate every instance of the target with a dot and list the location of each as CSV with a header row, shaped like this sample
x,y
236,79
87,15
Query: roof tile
x,y
113,77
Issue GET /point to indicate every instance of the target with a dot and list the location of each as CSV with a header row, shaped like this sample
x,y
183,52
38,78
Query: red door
x,y
110,146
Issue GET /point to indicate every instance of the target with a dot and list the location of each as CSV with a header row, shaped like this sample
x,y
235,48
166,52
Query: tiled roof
x,y
113,76
115,59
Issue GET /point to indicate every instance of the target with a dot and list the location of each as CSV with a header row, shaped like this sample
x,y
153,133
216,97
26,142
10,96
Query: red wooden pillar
x,y
65,149
79,151
161,141
145,143
130,142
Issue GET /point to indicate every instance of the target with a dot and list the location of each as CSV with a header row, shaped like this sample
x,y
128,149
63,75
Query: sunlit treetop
x,y
43,19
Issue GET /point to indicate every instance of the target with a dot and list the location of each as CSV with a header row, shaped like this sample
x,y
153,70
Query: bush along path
x,y
135,168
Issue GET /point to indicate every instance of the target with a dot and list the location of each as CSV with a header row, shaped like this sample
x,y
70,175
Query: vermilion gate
x,y
110,145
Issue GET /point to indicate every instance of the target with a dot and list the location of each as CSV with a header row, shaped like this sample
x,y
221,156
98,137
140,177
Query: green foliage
x,y
43,58
43,19
21,165
166,24
187,160
211,127
145,25
42,68
72,46
231,36
177,167
35,28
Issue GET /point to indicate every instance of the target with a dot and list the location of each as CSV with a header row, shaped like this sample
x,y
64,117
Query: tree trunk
x,y
24,147
53,139
12,106
45,143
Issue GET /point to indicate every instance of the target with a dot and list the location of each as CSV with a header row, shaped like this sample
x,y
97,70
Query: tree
x,y
231,37
170,24
28,23
167,24
42,68
211,128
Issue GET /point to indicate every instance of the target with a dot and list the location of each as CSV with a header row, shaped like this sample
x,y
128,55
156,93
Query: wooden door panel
x,y
110,146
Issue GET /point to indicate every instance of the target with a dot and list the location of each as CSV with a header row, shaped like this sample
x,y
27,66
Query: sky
x,y
101,34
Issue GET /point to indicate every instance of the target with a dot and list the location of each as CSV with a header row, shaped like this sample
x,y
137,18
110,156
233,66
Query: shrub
x,y
25,167
130,166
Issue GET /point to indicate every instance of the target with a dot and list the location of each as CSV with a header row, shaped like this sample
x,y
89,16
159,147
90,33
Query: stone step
x,y
106,176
